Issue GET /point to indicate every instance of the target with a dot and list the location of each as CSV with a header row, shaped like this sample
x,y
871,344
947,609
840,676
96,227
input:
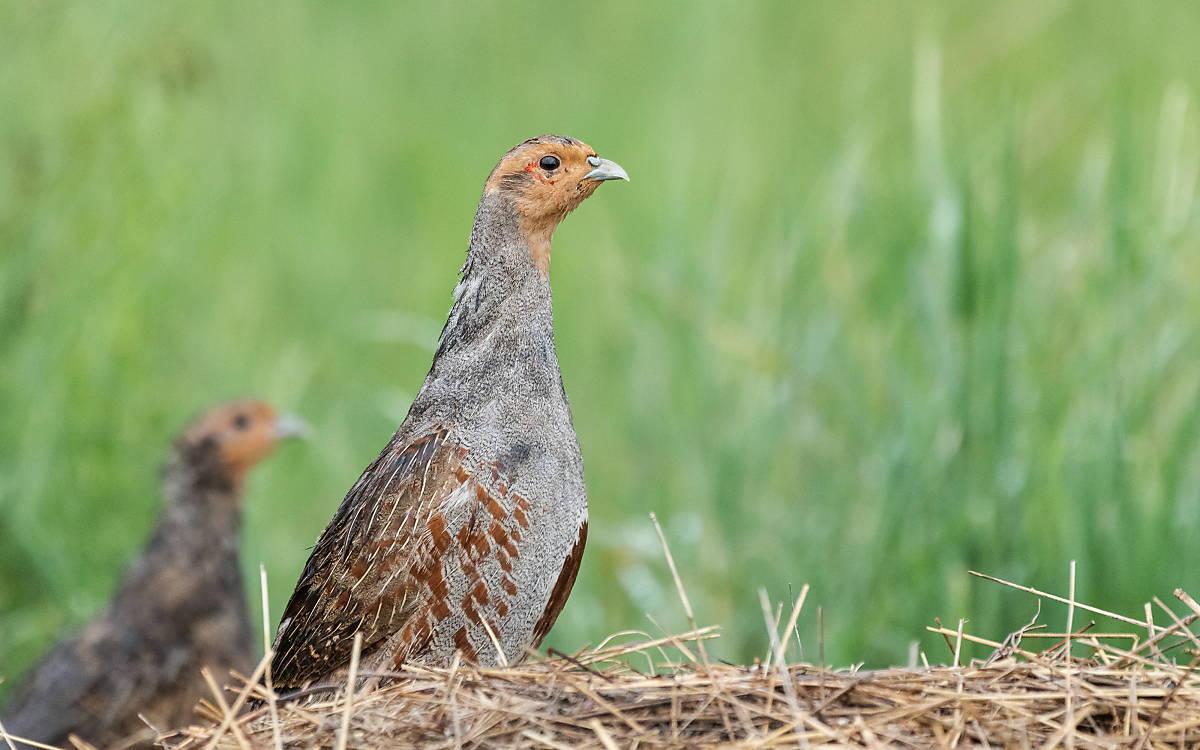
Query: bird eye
x,y
549,163
241,421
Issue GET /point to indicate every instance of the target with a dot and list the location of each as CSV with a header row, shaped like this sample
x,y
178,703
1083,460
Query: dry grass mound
x,y
1139,688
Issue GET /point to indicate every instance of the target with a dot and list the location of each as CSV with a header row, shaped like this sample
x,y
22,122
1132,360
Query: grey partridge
x,y
180,607
466,533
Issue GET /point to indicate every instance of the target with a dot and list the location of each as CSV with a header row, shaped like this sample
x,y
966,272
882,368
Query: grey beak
x,y
291,426
603,169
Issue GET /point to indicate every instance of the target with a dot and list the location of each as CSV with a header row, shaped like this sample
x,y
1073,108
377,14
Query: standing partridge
x,y
466,533
180,607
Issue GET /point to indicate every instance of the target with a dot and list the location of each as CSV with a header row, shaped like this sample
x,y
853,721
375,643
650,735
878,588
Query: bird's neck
x,y
201,495
499,335
503,291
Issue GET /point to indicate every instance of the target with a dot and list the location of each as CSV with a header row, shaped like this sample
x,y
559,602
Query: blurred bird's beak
x,y
603,169
291,426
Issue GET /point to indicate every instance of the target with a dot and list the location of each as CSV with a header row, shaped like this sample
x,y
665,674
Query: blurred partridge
x,y
466,533
180,607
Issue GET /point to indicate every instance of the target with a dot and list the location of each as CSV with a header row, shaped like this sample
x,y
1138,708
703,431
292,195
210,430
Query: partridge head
x,y
219,447
546,178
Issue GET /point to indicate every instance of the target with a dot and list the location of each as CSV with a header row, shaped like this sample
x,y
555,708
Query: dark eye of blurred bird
x,y
549,163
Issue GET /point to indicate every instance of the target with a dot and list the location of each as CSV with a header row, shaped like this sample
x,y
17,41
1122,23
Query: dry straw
x,y
1137,686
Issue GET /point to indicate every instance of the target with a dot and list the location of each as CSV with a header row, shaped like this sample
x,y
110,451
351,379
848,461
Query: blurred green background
x,y
897,290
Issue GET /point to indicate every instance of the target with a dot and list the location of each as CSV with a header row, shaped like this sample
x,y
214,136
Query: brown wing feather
x,y
358,577
562,588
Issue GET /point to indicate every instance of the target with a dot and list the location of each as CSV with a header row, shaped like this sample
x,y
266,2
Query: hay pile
x,y
1133,689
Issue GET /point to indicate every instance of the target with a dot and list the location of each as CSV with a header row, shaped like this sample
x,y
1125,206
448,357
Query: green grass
x,y
897,290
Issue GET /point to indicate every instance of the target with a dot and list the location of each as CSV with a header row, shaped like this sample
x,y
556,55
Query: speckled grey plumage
x,y
496,379
474,514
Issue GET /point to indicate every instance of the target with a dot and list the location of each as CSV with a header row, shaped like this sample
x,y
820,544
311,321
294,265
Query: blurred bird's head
x,y
224,443
545,178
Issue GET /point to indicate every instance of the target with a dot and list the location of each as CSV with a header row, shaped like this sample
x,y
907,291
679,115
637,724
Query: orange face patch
x,y
544,196
244,431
